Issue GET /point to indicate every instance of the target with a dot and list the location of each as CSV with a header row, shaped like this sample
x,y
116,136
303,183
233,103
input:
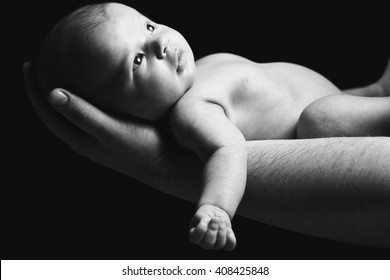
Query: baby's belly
x,y
267,100
274,114
277,124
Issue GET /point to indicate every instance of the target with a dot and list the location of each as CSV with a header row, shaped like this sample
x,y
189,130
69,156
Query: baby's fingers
x,y
210,238
198,232
221,237
231,240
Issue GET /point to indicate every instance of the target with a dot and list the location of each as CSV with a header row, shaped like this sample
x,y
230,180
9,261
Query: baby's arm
x,y
204,128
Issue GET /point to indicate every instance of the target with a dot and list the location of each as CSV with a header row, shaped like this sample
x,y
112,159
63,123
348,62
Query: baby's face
x,y
152,64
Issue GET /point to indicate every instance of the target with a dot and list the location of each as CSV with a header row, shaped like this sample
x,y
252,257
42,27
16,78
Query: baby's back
x,y
263,100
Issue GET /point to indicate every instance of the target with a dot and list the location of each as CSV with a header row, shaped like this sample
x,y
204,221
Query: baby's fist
x,y
211,229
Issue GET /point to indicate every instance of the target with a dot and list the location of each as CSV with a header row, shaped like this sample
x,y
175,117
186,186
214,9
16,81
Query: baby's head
x,y
117,59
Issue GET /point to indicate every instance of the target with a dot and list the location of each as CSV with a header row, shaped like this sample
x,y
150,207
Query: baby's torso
x,y
263,100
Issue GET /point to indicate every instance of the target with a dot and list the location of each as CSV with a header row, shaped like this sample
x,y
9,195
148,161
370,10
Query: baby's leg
x,y
345,115
379,89
358,112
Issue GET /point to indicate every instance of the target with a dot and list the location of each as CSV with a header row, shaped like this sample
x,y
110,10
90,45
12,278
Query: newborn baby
x,y
123,62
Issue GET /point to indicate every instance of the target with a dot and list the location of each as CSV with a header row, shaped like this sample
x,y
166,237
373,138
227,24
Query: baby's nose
x,y
161,45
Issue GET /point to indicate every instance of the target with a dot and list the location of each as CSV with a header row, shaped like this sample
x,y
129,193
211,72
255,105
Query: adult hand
x,y
134,148
336,188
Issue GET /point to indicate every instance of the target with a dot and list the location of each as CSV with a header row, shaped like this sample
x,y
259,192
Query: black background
x,y
57,204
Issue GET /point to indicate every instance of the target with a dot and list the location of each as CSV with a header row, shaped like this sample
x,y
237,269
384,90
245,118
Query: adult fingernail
x,y
58,98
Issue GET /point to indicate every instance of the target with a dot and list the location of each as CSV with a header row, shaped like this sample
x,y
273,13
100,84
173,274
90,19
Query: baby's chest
x,y
239,90
228,84
249,99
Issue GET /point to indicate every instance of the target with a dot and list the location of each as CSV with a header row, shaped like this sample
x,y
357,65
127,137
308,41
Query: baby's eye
x,y
137,61
150,28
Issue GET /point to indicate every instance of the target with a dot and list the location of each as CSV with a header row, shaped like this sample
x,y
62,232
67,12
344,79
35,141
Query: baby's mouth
x,y
181,61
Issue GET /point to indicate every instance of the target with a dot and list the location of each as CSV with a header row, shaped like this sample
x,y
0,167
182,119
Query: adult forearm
x,y
335,187
338,188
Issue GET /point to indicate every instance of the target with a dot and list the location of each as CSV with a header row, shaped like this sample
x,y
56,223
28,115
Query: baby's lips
x,y
181,61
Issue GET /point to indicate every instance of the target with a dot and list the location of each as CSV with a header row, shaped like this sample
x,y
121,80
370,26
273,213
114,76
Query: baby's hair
x,y
86,18
60,52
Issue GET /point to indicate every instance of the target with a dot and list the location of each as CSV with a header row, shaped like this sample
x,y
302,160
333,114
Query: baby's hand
x,y
211,228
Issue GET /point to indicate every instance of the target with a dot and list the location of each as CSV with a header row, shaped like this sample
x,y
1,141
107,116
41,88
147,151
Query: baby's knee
x,y
314,121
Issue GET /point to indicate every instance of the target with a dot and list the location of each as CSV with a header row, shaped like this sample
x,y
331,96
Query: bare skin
x,y
230,100
211,118
345,180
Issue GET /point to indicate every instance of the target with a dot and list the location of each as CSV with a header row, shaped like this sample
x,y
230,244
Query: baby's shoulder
x,y
191,110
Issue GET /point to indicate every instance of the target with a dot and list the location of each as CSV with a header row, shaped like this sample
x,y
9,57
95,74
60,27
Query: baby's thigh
x,y
345,115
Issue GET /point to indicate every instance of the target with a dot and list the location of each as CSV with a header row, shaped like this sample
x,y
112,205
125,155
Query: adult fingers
x,y
61,127
108,130
87,129
84,115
